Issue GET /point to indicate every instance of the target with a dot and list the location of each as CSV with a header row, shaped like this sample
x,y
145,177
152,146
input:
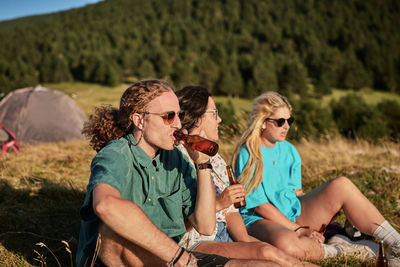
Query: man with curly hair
x,y
142,188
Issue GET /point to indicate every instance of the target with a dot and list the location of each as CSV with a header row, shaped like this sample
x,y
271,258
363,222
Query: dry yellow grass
x,y
374,168
66,163
42,188
330,155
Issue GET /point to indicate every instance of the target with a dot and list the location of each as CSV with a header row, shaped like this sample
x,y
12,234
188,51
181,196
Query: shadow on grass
x,y
39,211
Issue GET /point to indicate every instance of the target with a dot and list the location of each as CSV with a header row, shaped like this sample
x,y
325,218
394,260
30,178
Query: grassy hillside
x,y
43,187
89,95
370,96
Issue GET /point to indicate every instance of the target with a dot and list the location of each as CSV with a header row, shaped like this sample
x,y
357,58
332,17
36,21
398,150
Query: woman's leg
x,y
248,250
287,240
322,203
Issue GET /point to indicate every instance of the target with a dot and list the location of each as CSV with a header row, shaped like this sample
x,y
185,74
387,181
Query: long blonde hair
x,y
263,107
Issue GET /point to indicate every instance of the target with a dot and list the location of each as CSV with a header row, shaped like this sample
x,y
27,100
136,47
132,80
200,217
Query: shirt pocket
x,y
170,204
171,217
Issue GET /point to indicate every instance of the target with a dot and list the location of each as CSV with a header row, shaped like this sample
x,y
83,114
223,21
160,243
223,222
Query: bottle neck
x,y
381,249
179,135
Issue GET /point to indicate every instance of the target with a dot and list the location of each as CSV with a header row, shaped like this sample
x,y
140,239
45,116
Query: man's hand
x,y
231,194
185,258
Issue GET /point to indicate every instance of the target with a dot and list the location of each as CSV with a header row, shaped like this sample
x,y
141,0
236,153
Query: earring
x,y
263,127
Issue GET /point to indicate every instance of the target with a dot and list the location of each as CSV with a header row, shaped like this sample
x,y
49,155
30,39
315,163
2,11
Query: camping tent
x,y
38,114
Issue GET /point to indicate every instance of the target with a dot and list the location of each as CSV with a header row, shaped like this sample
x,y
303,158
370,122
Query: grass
x,y
375,169
41,190
43,187
239,104
88,95
371,97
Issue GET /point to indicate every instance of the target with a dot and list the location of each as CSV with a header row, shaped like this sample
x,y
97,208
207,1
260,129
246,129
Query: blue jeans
x,y
222,234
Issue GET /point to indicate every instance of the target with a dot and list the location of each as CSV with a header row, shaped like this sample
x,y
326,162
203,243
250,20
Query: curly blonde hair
x,y
109,123
263,107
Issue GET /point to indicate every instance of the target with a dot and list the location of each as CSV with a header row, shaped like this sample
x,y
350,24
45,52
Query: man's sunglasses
x,y
168,117
280,122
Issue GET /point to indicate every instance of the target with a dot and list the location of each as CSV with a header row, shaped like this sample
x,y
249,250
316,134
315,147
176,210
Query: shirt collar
x,y
141,156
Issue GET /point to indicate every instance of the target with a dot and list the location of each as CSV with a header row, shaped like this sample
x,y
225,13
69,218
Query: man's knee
x,y
117,251
290,245
267,251
110,238
109,245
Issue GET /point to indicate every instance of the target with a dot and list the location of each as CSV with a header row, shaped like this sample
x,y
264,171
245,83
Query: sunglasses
x,y
168,117
280,122
212,111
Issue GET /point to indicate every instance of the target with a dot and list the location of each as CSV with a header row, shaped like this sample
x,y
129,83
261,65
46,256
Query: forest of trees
x,y
233,47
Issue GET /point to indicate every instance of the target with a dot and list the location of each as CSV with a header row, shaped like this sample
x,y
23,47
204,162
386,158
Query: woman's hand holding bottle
x,y
232,194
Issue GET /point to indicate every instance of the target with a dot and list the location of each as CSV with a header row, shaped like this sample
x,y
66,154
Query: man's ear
x,y
137,120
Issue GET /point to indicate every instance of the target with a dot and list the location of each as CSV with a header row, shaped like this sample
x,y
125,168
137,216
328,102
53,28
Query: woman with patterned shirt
x,y
201,116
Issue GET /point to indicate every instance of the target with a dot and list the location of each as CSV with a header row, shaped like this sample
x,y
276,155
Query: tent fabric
x,y
38,114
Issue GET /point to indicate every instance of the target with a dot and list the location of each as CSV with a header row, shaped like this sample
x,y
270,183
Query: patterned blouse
x,y
220,182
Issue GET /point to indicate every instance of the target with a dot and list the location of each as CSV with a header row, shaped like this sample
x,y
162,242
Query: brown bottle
x,y
381,260
198,143
232,181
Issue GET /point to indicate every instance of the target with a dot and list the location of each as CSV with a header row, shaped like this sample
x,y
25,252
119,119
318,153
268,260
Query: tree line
x,y
233,47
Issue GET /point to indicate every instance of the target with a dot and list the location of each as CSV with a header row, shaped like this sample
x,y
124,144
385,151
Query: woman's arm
x,y
237,229
269,212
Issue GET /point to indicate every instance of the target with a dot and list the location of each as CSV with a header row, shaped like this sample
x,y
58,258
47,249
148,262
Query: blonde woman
x,y
278,211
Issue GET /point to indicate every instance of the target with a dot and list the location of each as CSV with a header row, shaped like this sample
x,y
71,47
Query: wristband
x,y
176,257
205,165
302,227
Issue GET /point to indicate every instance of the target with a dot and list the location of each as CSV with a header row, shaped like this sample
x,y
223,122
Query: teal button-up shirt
x,y
163,187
